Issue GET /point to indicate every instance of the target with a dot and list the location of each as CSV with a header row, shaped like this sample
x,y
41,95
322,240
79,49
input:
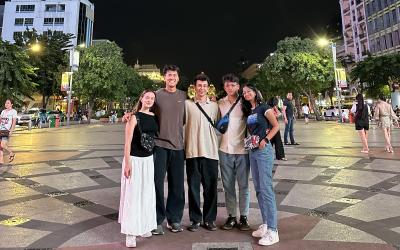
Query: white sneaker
x,y
270,238
130,241
147,235
261,231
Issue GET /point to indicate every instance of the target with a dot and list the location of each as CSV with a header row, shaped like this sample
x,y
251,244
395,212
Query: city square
x,y
63,192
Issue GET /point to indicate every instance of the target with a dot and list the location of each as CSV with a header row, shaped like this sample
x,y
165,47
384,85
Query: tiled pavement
x,y
329,196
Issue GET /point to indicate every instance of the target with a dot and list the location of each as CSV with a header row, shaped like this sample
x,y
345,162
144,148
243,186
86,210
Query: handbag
x,y
4,133
146,140
251,142
222,124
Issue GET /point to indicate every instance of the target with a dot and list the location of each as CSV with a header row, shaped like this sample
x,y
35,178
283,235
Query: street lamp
x,y
36,48
323,42
74,64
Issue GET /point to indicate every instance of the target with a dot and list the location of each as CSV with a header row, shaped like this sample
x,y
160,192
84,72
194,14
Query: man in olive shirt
x,y
201,147
169,154
288,116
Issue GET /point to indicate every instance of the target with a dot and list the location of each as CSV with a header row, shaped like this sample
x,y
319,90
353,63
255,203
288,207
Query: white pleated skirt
x,y
137,209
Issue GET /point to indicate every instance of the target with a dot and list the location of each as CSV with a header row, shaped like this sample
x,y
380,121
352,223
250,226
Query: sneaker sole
x,y
268,244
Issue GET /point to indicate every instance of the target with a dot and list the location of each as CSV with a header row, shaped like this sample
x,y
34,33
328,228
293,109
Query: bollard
x,y
30,125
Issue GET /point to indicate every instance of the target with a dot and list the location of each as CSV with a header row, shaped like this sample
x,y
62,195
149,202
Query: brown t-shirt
x,y
171,112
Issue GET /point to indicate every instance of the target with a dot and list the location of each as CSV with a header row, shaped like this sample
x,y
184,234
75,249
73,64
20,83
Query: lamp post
x,y
323,43
74,64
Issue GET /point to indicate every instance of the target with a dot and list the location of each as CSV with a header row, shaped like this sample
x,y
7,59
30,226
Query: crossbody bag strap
x,y
233,106
205,114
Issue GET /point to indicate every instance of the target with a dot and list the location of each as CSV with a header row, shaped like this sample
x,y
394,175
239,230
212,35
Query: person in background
x,y
288,117
361,115
386,116
7,125
306,112
277,140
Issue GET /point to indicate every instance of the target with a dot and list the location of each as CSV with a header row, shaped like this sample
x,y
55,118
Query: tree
x,y
102,74
376,72
135,84
50,62
16,73
298,65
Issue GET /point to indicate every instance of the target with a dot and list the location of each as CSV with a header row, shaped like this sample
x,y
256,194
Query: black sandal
x,y
11,158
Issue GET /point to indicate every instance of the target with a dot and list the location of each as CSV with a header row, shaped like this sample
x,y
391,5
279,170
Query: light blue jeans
x,y
262,162
235,167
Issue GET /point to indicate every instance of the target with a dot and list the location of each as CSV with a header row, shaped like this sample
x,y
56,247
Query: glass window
x,y
378,45
19,21
57,32
394,16
47,33
27,8
17,35
386,22
61,7
17,8
395,37
28,21
383,43
48,21
389,40
59,21
51,7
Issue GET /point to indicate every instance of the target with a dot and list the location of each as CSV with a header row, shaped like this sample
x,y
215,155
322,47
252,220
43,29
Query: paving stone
x,y
112,174
108,197
32,169
66,181
304,195
104,153
11,190
337,162
378,207
383,164
297,173
331,231
11,237
359,178
85,164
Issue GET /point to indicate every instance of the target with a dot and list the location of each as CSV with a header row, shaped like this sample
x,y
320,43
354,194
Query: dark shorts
x,y
361,126
4,138
305,115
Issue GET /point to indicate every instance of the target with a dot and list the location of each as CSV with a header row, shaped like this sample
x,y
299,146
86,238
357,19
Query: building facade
x,y
149,70
383,17
355,35
48,17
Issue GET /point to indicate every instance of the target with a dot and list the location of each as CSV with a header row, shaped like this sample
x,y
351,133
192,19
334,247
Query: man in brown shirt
x,y
201,147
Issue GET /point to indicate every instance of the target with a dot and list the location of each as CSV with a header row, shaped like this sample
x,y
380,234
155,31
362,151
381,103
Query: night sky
x,y
210,36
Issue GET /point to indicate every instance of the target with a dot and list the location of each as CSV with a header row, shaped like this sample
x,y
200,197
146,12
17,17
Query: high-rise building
x,y
48,17
383,17
370,26
1,17
354,24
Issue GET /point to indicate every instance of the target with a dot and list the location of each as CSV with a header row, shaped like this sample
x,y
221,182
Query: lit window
x,y
28,21
27,8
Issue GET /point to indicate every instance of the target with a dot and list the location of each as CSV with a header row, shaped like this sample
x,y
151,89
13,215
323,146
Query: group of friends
x,y
184,129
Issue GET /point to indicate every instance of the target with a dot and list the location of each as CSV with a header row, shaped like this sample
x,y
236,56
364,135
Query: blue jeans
x,y
289,130
261,163
235,167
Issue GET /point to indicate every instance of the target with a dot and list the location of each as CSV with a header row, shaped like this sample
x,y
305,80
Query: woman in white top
x,y
8,119
306,112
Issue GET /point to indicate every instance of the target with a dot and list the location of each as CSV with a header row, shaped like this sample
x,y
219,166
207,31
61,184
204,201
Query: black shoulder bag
x,y
222,124
146,141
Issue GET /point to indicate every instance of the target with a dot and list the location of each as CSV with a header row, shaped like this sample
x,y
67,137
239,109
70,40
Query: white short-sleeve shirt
x,y
7,117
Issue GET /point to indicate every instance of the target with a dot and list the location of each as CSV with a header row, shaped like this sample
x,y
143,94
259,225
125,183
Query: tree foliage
x,y
298,65
102,74
16,73
375,72
50,61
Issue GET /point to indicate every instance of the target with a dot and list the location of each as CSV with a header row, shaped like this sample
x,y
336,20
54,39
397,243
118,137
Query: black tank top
x,y
148,124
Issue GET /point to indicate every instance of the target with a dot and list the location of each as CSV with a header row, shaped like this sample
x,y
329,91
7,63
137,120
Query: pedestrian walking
x,y
234,159
276,141
361,114
261,118
137,211
201,147
288,117
386,116
169,153
7,125
306,112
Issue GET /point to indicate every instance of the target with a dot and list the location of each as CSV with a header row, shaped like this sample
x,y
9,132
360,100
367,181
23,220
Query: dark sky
x,y
209,36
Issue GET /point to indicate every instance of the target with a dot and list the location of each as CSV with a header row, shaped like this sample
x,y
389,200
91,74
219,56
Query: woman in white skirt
x,y
137,211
